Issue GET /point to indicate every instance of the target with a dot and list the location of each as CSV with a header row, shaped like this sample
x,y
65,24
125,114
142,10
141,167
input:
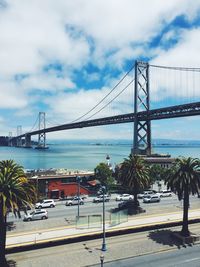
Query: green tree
x,y
134,174
183,181
15,192
104,174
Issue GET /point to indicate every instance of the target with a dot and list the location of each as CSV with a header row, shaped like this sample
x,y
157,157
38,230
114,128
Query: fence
x,y
89,221
118,217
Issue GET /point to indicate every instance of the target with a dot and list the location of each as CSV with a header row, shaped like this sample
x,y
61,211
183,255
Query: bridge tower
x,y
142,128
19,132
42,134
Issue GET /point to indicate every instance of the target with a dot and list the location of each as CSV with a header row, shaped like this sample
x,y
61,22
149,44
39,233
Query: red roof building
x,y
64,185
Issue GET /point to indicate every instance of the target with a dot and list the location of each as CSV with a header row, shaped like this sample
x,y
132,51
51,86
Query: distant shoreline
x,y
130,144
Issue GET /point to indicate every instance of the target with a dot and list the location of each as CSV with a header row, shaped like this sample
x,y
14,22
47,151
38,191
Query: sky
x,y
62,57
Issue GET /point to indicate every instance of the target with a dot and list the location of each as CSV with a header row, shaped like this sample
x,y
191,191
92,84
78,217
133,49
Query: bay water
x,y
85,155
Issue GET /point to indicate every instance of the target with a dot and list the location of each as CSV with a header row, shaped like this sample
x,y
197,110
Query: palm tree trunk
x,y
2,237
135,199
185,230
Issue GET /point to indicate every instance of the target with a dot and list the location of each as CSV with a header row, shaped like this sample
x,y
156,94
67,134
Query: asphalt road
x,y
150,248
189,257
61,212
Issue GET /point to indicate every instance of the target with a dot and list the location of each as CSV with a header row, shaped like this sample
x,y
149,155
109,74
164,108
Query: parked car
x,y
100,198
165,193
127,204
46,203
72,197
147,193
124,197
36,215
151,199
74,201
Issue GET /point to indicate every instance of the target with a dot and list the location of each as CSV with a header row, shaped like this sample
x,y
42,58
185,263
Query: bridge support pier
x,y
28,141
19,138
19,141
10,140
142,128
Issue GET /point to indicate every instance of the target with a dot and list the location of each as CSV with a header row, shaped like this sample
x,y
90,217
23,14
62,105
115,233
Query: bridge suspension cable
x,y
34,125
121,80
174,85
111,99
176,68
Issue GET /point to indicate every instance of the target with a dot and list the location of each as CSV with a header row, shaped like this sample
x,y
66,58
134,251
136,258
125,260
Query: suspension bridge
x,y
173,91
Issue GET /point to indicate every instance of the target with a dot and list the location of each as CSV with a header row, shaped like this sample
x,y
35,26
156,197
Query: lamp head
x,y
78,178
103,189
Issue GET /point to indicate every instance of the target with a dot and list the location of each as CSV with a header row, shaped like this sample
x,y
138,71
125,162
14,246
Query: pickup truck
x,y
99,199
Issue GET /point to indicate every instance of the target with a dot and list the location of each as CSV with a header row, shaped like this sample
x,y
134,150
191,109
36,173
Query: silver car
x,y
36,215
124,197
74,201
151,199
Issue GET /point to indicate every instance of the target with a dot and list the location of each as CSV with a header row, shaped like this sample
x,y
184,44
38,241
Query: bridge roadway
x,y
185,110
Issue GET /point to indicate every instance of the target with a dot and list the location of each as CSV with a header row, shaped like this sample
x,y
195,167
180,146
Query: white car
x,y
74,201
124,197
151,199
36,215
46,203
147,193
99,199
165,193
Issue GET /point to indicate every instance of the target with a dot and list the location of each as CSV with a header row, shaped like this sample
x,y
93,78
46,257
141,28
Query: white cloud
x,y
12,96
185,53
47,82
72,34
172,83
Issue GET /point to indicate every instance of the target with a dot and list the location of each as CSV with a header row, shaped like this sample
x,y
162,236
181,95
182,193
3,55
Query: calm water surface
x,y
83,156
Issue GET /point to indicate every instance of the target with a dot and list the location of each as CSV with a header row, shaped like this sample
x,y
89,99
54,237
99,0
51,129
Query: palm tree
x,y
103,173
15,192
134,175
183,181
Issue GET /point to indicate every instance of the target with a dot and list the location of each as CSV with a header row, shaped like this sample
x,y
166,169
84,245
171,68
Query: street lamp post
x,y
104,230
102,259
78,179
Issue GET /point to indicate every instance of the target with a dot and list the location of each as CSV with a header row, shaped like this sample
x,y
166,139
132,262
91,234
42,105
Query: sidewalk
x,y
70,232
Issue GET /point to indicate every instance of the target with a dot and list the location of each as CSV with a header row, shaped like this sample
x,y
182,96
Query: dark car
x,y
127,204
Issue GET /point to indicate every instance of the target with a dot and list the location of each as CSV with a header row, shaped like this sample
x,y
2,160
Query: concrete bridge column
x,y
19,141
28,140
